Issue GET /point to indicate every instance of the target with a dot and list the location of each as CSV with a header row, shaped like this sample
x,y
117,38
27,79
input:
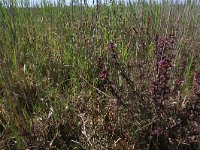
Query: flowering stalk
x,y
114,90
164,57
119,67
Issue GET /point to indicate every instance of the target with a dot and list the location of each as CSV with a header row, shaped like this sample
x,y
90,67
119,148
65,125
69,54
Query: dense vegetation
x,y
117,76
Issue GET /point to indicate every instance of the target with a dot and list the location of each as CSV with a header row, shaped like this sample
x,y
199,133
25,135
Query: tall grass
x,y
95,77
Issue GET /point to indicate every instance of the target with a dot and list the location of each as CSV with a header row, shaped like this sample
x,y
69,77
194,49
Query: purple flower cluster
x,y
104,75
163,53
180,81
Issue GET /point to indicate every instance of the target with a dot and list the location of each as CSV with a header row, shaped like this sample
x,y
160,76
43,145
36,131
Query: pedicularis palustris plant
x,y
164,55
166,118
